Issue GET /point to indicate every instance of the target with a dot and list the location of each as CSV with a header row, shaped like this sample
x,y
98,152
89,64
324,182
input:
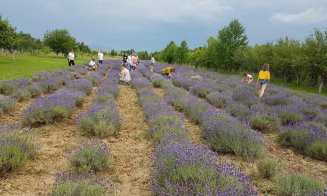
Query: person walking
x,y
263,79
100,57
71,58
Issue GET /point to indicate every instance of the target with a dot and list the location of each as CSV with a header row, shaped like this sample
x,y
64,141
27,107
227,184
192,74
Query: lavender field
x,y
79,132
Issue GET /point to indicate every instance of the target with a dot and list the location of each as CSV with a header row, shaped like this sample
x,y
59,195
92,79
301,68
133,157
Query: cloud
x,y
309,16
158,10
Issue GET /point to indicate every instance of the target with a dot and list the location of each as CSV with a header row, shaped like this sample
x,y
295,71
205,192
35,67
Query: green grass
x,y
26,66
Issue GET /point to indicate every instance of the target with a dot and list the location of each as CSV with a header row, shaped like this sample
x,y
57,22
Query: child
x,y
263,78
247,78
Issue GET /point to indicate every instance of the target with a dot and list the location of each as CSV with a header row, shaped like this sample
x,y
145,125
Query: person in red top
x,y
134,61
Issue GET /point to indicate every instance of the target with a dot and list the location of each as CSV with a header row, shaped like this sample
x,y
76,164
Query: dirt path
x,y
14,116
132,151
54,144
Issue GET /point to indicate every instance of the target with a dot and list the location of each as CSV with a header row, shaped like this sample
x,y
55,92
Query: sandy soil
x,y
15,115
132,150
54,144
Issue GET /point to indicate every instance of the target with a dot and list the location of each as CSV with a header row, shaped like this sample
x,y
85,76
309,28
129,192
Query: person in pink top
x,y
134,61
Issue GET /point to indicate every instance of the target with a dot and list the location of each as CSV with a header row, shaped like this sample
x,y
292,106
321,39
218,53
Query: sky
x,y
151,24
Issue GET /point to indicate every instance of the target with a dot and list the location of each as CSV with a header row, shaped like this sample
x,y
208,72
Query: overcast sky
x,y
151,24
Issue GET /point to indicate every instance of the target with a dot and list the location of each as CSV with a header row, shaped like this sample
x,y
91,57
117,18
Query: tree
x,y
144,55
231,38
182,51
7,34
83,48
169,54
60,41
316,52
25,42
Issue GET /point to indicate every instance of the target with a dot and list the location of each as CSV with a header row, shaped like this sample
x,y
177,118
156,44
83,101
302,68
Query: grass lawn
x,y
26,66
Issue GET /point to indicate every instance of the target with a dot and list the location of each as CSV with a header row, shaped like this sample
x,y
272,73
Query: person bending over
x,y
167,71
124,76
247,78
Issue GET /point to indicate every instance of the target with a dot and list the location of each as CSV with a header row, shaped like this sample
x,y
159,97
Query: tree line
x,y
58,41
299,62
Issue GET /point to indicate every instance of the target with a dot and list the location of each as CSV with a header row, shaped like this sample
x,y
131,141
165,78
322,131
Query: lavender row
x,y
224,133
179,167
52,108
292,115
103,118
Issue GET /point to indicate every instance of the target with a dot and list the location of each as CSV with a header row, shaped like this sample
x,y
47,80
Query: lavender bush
x,y
101,120
50,85
90,157
82,85
70,185
239,111
7,104
16,147
308,138
6,87
52,108
296,184
21,94
219,100
265,123
191,170
94,78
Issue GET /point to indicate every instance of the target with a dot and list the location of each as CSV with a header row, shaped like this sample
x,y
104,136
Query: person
x,y
124,76
129,60
71,57
124,58
152,60
92,65
100,57
167,71
247,78
263,79
134,61
151,68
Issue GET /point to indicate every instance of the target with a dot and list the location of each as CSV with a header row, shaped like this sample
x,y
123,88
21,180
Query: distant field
x,y
26,66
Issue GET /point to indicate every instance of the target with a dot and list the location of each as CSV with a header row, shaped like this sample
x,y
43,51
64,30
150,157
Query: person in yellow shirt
x,y
263,78
167,71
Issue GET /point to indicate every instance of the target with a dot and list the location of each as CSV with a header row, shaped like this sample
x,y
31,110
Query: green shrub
x,y
290,117
268,168
21,94
90,157
293,138
323,104
318,150
78,186
35,91
265,124
239,110
7,104
299,185
16,148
